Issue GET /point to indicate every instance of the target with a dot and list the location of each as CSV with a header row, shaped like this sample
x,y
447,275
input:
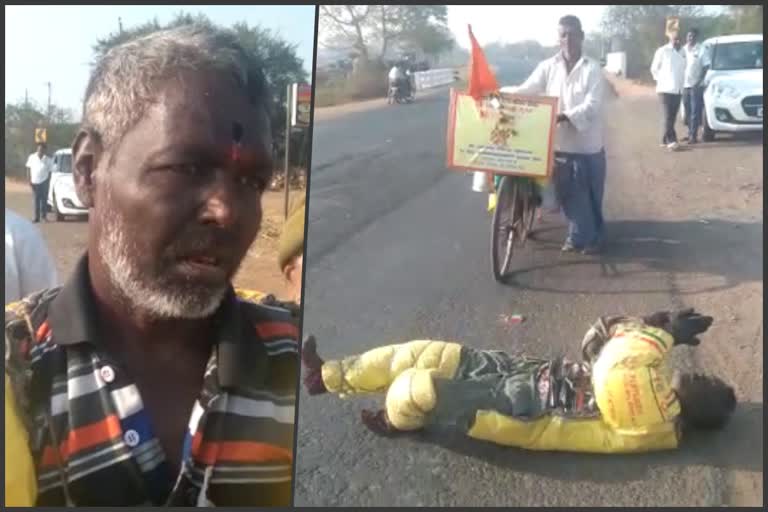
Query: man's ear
x,y
86,154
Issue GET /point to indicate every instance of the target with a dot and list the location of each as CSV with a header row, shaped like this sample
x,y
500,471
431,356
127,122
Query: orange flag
x,y
481,79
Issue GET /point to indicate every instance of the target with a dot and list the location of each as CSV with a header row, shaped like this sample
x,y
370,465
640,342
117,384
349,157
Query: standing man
x,y
668,69
696,65
39,173
578,83
145,379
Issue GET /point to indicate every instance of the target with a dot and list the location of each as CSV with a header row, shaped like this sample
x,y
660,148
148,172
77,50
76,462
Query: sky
x,y
53,43
512,23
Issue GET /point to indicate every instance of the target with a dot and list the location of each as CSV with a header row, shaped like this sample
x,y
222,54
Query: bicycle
x,y
517,200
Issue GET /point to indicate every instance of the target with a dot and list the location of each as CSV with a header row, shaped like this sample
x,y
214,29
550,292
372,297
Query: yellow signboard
x,y
514,139
41,135
673,25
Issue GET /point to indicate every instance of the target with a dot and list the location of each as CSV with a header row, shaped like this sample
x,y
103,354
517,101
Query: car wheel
x,y
707,133
59,215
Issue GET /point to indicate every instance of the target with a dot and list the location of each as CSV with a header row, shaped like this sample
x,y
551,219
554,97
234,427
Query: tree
x,y
371,30
641,28
746,19
21,119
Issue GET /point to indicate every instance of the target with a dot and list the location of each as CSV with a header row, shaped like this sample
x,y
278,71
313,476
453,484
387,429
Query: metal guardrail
x,y
435,78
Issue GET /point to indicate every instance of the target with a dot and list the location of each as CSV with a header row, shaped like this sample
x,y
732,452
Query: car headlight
x,y
725,90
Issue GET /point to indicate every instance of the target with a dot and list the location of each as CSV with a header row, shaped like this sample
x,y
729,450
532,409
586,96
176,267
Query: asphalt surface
x,y
398,249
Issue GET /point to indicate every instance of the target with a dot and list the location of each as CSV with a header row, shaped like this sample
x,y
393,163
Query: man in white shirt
x,y
696,64
39,172
578,83
668,69
29,267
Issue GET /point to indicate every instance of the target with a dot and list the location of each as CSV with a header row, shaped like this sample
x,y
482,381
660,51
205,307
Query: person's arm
x,y
37,270
561,434
656,65
29,169
20,477
534,84
583,114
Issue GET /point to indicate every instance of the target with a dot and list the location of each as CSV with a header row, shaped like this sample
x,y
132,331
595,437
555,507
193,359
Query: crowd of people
x,y
679,72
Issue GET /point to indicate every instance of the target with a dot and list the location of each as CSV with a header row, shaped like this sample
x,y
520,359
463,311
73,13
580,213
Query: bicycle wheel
x,y
530,204
504,227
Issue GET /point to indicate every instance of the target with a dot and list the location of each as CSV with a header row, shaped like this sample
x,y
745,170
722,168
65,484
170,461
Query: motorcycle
x,y
396,94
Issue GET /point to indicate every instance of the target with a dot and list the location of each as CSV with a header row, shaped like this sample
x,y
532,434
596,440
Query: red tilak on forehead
x,y
237,137
235,152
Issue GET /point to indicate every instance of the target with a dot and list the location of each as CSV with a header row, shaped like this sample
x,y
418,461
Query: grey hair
x,y
123,83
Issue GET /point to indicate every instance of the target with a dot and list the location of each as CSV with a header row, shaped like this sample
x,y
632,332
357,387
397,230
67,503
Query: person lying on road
x,y
621,398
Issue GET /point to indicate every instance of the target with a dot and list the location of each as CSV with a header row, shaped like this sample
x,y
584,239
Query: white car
x,y
62,197
733,94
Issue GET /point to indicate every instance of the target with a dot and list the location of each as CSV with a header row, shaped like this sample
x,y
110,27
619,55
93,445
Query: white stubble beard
x,y
153,297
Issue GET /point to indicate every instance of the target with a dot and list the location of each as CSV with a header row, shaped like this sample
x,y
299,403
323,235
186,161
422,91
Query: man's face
x,y
675,40
571,39
691,38
179,203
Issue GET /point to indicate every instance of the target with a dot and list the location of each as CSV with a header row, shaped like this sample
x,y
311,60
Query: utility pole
x,y
120,25
26,98
49,102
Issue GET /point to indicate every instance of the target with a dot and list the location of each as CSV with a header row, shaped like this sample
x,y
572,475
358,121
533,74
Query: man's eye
x,y
257,183
188,169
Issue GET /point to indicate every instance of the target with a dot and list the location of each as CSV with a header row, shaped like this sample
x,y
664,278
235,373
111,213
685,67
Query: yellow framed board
x,y
515,139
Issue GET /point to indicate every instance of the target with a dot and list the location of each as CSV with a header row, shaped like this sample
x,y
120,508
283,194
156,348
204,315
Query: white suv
x,y
733,94
62,197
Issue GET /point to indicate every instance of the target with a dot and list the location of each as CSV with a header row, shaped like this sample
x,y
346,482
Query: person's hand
x,y
562,118
684,325
313,364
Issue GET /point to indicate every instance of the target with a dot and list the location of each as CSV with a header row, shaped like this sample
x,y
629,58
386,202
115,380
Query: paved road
x,y
398,250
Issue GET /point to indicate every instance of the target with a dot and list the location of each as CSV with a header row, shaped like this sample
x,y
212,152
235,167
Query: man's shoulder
x,y
264,309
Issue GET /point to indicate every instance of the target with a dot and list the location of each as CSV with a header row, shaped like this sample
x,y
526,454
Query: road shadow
x,y
729,253
732,139
738,447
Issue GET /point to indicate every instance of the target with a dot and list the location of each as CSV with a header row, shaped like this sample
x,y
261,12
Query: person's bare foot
x,y
377,422
313,364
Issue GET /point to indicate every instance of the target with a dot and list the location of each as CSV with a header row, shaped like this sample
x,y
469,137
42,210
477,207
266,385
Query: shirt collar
x,y
242,361
559,57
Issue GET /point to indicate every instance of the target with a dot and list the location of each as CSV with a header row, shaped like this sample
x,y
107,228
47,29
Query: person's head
x,y
172,158
693,36
571,37
674,40
706,402
290,256
40,149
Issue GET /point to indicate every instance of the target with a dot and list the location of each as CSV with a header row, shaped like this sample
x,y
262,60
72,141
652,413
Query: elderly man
x,y
578,83
145,379
621,398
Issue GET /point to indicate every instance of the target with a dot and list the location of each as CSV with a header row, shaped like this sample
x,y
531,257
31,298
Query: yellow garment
x,y
374,371
637,405
491,201
631,365
557,433
20,478
250,295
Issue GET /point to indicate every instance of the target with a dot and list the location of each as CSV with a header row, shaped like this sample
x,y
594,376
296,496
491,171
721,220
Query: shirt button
x,y
107,373
131,438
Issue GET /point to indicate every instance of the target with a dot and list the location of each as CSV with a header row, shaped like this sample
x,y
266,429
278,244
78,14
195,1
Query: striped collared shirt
x,y
92,440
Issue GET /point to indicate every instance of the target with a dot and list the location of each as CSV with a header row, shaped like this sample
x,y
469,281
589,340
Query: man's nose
x,y
222,206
